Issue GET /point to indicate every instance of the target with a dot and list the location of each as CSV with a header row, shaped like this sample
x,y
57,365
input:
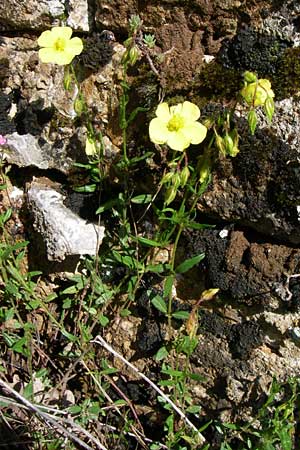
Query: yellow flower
x,y
177,126
58,47
256,93
91,146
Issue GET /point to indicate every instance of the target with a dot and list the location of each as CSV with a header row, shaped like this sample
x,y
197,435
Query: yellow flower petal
x,y
195,132
158,131
49,55
163,112
178,141
90,147
190,111
74,46
62,32
46,39
177,109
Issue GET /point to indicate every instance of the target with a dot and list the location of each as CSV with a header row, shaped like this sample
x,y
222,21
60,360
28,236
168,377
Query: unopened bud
x,y
184,176
128,42
134,55
228,142
176,180
167,177
220,143
170,195
204,168
78,106
249,77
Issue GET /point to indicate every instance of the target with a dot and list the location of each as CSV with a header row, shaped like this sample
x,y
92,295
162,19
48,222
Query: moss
x,y
255,51
287,79
216,82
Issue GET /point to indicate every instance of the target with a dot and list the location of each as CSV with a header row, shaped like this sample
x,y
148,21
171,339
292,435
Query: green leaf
x,y
134,114
159,304
125,313
107,205
127,260
28,391
75,409
189,263
86,188
50,297
103,320
193,409
285,439
146,241
157,268
168,285
252,121
181,315
6,215
70,290
68,335
172,372
161,354
198,226
142,199
140,158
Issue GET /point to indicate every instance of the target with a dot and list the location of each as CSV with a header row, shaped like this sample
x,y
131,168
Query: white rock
x,y
63,232
78,17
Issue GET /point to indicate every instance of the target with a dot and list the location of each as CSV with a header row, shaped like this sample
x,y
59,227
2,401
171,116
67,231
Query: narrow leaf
x,y
189,263
159,304
181,315
142,199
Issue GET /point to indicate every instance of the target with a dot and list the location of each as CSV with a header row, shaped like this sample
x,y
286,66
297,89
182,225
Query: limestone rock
x,y
63,232
78,15
30,14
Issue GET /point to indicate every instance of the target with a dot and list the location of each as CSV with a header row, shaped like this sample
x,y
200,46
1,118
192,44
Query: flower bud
x,y
269,108
133,55
170,195
128,42
167,177
176,180
252,120
184,176
249,77
204,168
78,106
220,143
228,142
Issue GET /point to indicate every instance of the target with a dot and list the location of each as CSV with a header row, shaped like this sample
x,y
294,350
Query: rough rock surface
x,y
63,232
260,187
31,14
251,332
36,110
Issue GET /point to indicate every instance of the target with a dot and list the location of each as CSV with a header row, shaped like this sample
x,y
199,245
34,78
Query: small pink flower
x,y
3,140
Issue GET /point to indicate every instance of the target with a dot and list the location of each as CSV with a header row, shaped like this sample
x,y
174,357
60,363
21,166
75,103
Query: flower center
x,y
175,123
60,45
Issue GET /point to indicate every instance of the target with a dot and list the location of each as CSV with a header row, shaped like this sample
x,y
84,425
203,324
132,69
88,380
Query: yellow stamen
x,y
60,45
175,123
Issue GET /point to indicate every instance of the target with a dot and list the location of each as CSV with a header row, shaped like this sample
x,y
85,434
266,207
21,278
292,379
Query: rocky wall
x,y
253,253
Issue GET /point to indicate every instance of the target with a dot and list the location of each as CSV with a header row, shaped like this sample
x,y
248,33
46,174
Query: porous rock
x,y
63,232
29,14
